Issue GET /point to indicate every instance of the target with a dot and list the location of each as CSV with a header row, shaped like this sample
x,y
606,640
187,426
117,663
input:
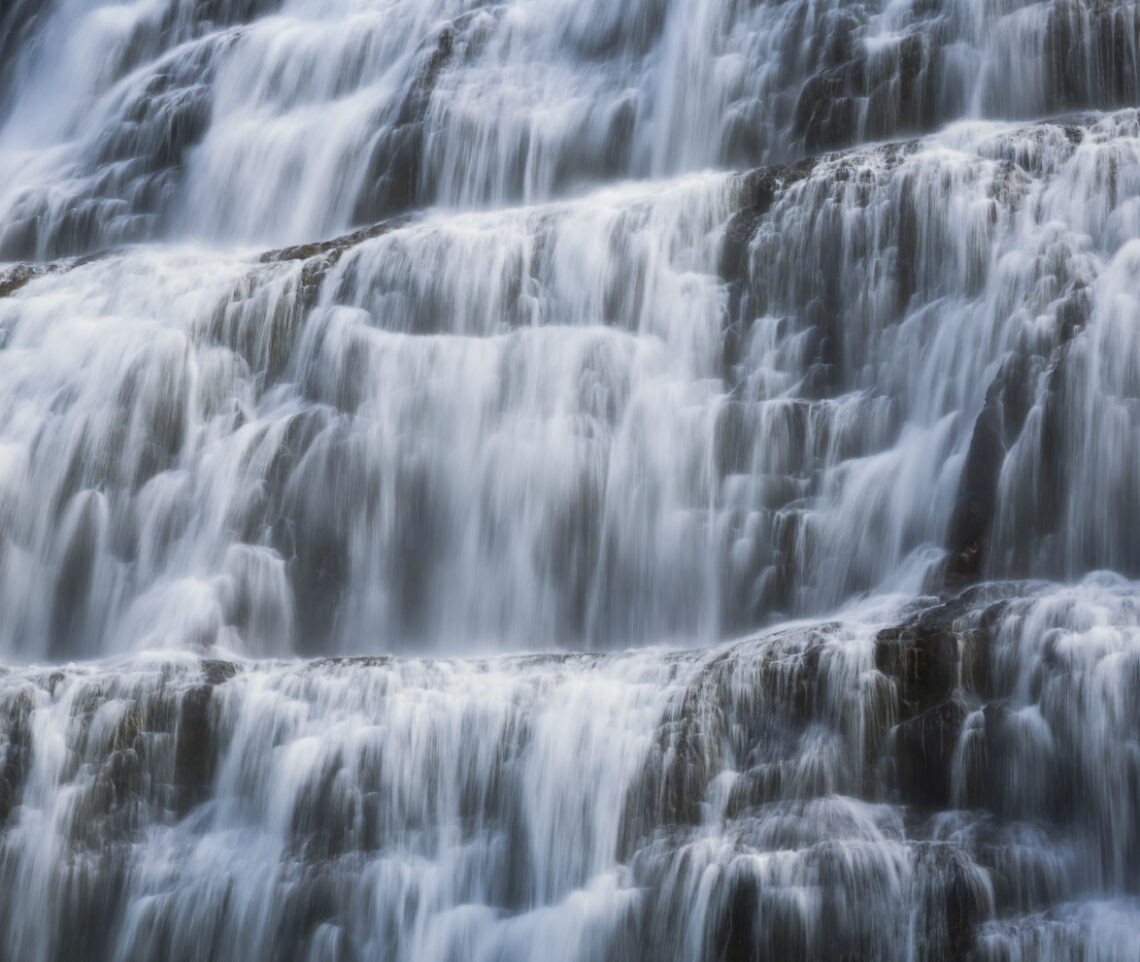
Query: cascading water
x,y
421,419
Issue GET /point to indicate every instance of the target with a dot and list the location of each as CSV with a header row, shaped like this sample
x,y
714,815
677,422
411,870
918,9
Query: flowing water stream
x,y
596,480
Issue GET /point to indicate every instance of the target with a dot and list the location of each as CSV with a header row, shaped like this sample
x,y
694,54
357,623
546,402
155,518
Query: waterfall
x,y
601,479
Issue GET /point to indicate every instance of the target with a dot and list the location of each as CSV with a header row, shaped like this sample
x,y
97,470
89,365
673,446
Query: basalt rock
x,y
923,659
321,256
196,747
18,22
15,276
761,187
924,752
333,248
15,751
977,498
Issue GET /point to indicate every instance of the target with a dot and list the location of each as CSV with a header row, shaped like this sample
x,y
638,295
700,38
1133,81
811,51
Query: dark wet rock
x,y
393,173
1054,443
766,183
978,496
124,774
320,257
7,799
826,114
982,786
760,187
954,900
15,276
707,733
737,236
755,925
924,753
997,428
19,20
1088,54
314,541
70,614
14,770
923,658
735,937
131,168
912,83
392,180
676,772
333,248
229,12
170,116
193,761
926,652
15,752
975,644
940,664
196,747
1056,440
216,671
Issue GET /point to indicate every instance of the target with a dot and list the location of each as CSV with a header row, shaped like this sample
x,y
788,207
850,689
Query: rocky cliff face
x,y
250,120
525,367
682,409
959,784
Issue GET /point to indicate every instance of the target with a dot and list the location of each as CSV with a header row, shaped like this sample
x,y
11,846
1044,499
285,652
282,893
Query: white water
x,y
284,120
524,428
592,381
625,806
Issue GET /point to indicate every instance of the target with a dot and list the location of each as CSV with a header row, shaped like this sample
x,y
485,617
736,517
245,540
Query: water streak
x,y
408,337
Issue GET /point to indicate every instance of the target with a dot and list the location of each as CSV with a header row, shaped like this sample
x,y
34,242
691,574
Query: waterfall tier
x,y
597,480
962,783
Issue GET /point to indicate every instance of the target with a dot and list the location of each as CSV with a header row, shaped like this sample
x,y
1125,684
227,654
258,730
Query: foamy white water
x,y
733,802
420,421
284,120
